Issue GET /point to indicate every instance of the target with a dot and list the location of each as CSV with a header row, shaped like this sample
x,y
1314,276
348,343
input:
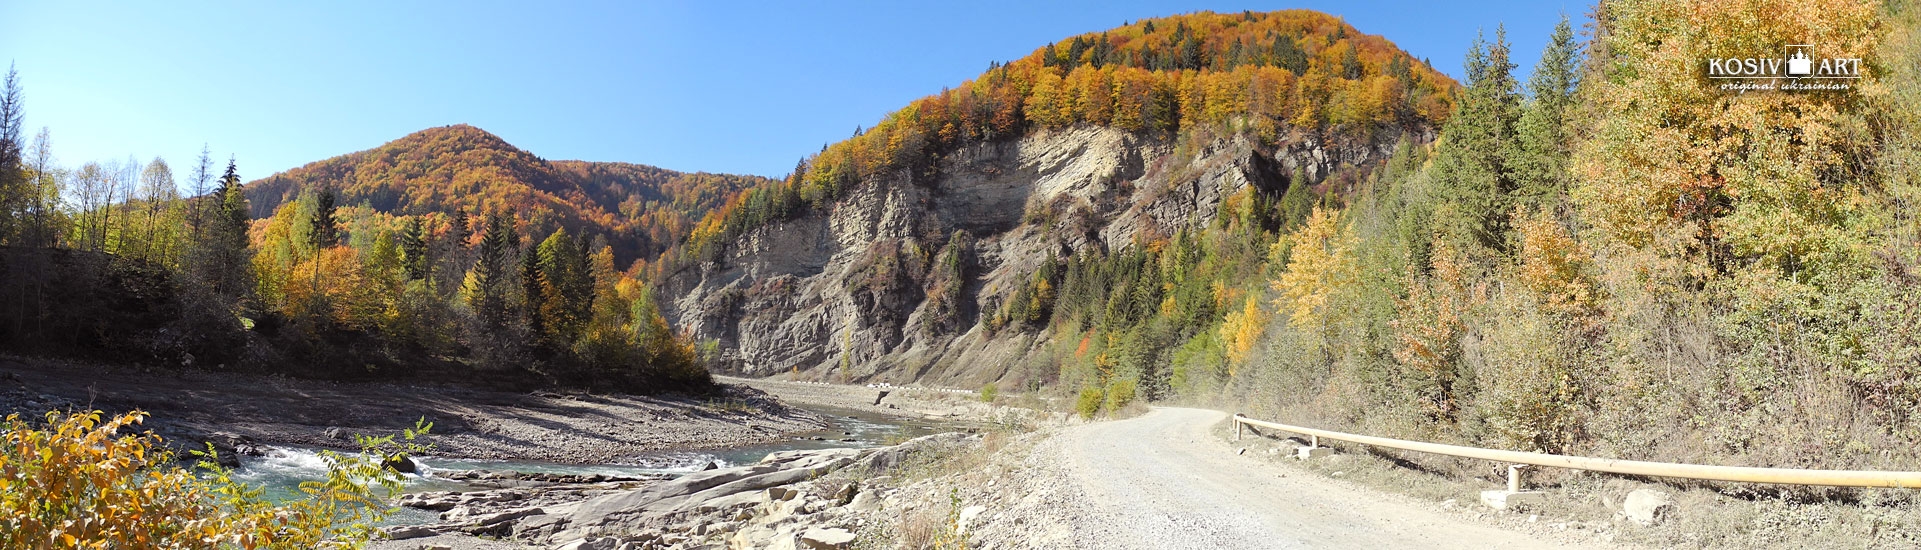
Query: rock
x,y
847,492
1305,453
781,493
404,532
711,465
1512,500
438,502
889,457
967,516
538,526
778,290
1648,506
498,523
436,547
400,463
827,539
690,491
337,433
733,501
864,502
597,543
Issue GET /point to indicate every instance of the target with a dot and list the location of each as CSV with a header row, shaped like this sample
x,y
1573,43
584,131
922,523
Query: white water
x,y
281,469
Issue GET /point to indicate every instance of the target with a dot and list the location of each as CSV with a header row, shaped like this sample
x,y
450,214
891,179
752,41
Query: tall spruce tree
x,y
413,249
220,261
490,277
1538,163
1472,178
325,229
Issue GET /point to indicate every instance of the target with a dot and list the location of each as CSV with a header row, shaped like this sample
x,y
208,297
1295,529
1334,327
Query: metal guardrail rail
x,y
1789,476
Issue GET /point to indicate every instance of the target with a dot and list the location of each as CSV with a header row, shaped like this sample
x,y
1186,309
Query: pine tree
x,y
220,262
488,294
324,232
1539,160
534,286
1472,178
413,249
1297,202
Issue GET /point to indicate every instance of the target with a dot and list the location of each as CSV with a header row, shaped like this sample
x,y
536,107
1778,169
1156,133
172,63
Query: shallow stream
x,y
283,468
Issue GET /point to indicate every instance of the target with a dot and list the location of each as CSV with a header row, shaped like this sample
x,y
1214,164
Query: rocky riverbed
x,y
241,410
791,499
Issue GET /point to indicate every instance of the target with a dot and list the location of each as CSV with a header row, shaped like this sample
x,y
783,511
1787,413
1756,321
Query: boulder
x,y
597,543
436,501
1648,506
782,493
400,463
827,539
846,493
864,501
404,532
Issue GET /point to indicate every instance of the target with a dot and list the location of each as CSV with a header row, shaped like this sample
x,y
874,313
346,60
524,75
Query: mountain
x,y
639,209
940,245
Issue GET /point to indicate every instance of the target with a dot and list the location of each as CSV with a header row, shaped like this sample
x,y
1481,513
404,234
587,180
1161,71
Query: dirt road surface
x,y
1163,481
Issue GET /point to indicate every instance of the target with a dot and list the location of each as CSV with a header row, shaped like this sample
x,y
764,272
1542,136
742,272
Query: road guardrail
x,y
1747,474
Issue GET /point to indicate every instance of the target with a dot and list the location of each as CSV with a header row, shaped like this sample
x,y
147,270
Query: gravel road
x,y
1163,481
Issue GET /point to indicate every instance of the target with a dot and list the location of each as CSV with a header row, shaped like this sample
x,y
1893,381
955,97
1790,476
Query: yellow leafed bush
x,y
81,482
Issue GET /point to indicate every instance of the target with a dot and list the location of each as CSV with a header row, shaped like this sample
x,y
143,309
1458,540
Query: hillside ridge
x,y
640,209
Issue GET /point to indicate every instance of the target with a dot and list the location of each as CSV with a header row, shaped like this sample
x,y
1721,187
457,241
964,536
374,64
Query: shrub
x,y
1119,394
1090,402
80,483
988,392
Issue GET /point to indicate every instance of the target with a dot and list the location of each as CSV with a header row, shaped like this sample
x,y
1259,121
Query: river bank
x,y
188,406
903,401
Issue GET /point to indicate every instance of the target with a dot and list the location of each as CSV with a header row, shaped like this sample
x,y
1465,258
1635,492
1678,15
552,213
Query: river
x,y
281,470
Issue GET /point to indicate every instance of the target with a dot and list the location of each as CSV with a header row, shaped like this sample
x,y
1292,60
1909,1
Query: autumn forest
x,y
1569,260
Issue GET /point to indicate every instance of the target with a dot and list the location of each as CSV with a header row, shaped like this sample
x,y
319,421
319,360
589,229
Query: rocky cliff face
x,y
879,286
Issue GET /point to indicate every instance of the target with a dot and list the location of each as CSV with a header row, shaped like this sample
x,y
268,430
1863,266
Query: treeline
x,y
1273,74
109,261
1614,258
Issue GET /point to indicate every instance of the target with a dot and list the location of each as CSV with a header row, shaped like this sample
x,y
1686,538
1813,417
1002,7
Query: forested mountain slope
x,y
639,209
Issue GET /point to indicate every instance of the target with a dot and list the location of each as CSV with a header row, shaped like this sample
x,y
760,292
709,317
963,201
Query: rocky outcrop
x,y
851,291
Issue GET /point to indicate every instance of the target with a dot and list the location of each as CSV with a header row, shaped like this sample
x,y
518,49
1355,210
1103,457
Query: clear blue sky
x,y
697,86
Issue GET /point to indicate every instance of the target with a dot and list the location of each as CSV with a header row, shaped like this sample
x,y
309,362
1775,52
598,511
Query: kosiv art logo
x,y
1799,68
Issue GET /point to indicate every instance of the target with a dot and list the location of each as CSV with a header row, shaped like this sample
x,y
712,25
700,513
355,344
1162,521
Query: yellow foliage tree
x,y
1551,264
1430,324
1685,170
1320,265
1241,329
